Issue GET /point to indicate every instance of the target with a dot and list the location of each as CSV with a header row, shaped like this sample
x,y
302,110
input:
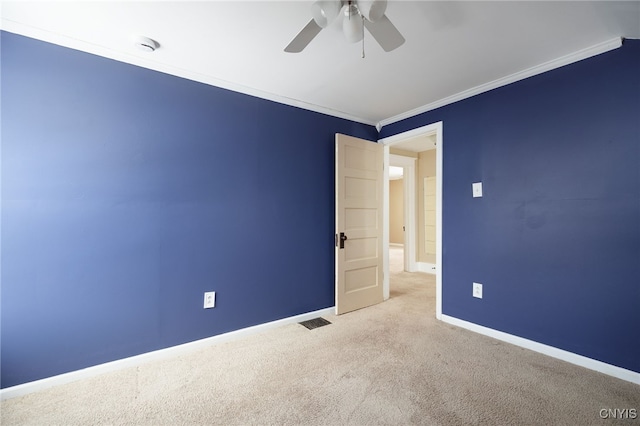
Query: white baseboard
x,y
428,268
396,245
582,361
137,360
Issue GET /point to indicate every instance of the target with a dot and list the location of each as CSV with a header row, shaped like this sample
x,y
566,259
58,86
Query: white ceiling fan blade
x,y
385,33
303,38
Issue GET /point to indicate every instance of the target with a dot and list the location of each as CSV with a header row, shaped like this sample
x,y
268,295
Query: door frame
x,y
437,129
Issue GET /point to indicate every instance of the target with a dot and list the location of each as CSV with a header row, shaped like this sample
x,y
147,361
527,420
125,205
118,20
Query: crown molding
x,y
71,43
521,75
61,40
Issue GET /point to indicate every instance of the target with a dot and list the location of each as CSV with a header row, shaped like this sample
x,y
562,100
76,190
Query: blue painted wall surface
x,y
556,238
128,193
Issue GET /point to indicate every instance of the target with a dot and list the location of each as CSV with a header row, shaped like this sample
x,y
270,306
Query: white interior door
x,y
359,223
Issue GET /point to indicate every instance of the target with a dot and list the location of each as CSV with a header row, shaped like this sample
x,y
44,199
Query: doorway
x,y
422,139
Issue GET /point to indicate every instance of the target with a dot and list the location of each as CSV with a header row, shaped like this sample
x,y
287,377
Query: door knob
x,y
340,240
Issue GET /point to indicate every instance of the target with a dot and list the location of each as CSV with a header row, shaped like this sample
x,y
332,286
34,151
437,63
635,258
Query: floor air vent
x,y
315,323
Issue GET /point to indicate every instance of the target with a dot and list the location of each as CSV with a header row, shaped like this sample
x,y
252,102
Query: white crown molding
x,y
582,361
521,75
134,361
62,40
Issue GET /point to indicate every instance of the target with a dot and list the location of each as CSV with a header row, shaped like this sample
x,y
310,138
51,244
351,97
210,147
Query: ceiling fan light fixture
x,y
352,26
325,11
357,15
373,10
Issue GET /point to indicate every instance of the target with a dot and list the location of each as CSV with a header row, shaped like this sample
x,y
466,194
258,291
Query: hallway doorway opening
x,y
422,248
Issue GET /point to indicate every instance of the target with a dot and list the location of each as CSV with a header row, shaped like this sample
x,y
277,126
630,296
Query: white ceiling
x,y
453,49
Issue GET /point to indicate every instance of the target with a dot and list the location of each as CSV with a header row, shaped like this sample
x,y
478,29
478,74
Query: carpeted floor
x,y
392,363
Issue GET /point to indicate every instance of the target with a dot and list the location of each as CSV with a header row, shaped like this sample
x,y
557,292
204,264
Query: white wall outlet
x,y
477,290
210,299
477,189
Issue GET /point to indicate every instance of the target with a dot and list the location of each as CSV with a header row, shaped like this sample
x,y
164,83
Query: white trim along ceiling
x,y
453,50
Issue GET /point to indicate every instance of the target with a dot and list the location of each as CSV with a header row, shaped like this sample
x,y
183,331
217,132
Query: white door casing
x,y
437,129
359,218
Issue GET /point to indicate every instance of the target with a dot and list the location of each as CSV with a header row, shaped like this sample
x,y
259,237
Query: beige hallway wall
x,y
396,211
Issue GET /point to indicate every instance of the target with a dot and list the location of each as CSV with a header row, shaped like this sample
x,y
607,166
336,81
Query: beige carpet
x,y
392,363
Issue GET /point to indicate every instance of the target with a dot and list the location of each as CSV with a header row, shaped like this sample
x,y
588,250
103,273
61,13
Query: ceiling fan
x,y
356,15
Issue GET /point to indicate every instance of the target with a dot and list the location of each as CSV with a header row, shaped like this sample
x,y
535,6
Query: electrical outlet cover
x,y
209,299
477,290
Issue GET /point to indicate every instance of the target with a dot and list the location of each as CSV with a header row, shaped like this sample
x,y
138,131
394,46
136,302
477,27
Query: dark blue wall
x,y
556,238
128,193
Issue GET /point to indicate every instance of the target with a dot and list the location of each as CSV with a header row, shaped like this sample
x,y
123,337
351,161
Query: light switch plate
x,y
477,189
